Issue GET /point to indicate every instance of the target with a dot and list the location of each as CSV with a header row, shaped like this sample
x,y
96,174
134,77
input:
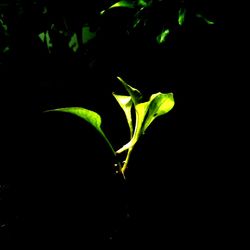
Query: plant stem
x,y
125,165
110,145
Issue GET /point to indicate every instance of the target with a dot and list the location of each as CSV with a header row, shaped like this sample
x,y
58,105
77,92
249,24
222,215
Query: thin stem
x,y
124,167
107,140
114,153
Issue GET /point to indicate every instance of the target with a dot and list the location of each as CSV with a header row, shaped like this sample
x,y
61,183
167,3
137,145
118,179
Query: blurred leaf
x,y
45,37
145,3
87,35
42,36
88,115
124,3
73,43
6,49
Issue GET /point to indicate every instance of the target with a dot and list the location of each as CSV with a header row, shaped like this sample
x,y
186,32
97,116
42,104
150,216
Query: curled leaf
x,y
126,104
140,111
133,92
122,3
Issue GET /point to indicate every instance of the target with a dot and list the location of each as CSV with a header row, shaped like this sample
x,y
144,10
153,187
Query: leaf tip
x,y
48,110
119,78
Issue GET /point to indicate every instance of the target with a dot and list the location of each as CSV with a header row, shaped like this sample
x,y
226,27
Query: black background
x,y
58,183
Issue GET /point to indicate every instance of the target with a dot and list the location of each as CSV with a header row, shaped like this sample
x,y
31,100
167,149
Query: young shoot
x,y
145,113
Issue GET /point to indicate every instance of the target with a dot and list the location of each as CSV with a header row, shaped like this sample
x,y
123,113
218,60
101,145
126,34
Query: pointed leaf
x,y
144,3
126,104
42,36
88,115
48,40
123,3
133,92
181,16
160,104
73,43
210,22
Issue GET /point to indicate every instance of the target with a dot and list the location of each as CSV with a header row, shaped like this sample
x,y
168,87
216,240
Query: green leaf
x,y
87,35
145,3
123,3
48,40
133,92
209,22
181,16
163,36
45,37
42,36
140,112
73,43
160,104
126,104
88,115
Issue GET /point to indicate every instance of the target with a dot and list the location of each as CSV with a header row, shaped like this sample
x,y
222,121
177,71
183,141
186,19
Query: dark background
x,y
58,185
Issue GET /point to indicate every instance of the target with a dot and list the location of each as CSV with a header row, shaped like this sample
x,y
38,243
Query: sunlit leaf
x,y
163,36
3,25
89,116
133,92
126,104
42,36
160,104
